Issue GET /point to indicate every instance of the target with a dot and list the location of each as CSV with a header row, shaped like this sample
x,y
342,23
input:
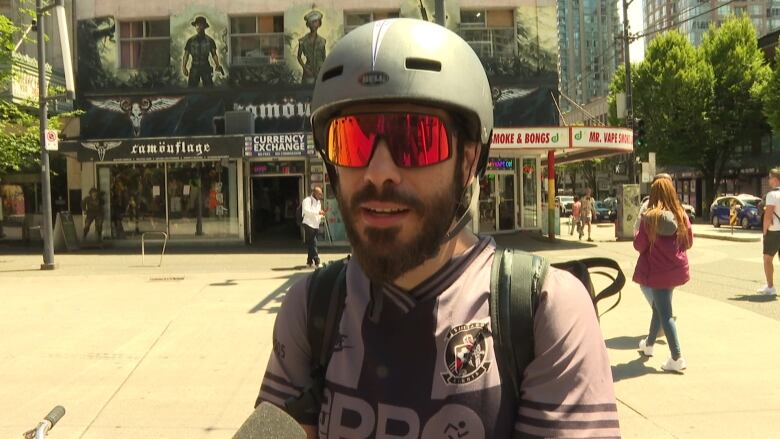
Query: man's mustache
x,y
388,194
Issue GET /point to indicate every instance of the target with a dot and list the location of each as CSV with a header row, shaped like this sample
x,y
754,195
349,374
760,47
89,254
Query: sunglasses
x,y
414,140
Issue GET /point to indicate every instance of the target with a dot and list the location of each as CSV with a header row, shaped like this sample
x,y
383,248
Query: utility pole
x,y
46,228
629,99
43,114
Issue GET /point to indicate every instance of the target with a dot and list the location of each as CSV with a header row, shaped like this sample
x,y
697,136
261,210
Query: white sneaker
x,y
767,291
646,350
673,365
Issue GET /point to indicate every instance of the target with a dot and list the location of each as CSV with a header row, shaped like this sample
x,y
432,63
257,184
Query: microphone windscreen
x,y
270,422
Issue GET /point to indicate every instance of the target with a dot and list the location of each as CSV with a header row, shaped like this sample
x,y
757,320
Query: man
x,y
575,221
587,211
92,206
311,46
415,354
771,232
199,47
311,207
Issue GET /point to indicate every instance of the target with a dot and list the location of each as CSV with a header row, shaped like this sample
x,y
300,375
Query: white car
x,y
565,203
689,210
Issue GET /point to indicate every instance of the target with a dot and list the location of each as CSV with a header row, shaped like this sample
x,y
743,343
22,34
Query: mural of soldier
x,y
312,47
199,47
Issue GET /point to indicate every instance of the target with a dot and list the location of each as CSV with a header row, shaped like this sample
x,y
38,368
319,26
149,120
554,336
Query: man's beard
x,y
381,255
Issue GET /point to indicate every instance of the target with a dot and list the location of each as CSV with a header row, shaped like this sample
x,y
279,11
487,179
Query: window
x,y
256,40
489,32
145,44
355,19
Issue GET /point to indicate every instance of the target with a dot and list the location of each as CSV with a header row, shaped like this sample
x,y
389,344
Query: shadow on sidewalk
x,y
757,298
633,369
275,297
627,343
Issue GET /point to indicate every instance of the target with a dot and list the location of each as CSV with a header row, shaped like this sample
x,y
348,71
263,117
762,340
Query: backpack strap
x,y
583,268
325,299
515,285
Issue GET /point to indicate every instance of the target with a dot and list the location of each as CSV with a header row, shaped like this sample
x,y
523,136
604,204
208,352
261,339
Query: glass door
x,y
487,204
530,203
505,192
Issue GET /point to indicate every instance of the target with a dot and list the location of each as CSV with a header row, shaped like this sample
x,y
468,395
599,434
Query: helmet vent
x,y
423,64
332,73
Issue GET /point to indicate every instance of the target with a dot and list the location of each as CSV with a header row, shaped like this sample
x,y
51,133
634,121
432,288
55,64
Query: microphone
x,y
270,422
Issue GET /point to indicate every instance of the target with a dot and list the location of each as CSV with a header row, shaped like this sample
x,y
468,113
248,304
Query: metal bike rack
x,y
143,245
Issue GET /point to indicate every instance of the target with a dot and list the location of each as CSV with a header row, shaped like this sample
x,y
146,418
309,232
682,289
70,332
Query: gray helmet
x,y
405,60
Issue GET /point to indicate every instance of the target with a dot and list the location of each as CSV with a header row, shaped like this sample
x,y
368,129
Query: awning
x,y
570,144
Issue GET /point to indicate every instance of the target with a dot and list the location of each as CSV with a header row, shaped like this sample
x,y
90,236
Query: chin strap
x,y
464,219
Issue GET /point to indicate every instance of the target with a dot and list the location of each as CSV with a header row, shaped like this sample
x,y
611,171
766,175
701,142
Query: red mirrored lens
x,y
414,140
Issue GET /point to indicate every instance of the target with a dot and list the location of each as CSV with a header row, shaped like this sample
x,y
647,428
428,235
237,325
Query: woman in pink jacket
x,y
662,241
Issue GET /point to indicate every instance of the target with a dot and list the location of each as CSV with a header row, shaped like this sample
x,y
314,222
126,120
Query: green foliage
x,y
672,93
772,99
618,85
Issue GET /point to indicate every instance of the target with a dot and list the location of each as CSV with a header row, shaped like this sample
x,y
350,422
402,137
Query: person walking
x,y
588,210
414,351
575,222
663,239
311,208
771,232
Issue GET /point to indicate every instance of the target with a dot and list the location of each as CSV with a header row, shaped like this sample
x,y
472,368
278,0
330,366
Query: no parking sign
x,y
52,140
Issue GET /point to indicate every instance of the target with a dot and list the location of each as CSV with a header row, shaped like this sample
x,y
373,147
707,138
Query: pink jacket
x,y
665,265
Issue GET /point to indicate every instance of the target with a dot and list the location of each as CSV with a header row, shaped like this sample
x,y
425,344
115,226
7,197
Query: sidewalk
x,y
726,233
133,357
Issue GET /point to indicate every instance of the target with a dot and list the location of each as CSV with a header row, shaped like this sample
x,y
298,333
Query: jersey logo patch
x,y
465,353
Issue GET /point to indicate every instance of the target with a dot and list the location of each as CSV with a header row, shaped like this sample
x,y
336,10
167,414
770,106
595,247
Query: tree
x,y
740,77
672,95
19,137
772,99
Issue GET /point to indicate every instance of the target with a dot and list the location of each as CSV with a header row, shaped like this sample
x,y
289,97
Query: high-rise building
x,y
590,50
693,17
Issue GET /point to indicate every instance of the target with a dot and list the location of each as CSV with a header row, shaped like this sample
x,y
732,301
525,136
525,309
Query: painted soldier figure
x,y
200,46
312,47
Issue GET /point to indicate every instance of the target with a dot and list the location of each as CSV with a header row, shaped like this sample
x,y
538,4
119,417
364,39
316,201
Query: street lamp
x,y
70,93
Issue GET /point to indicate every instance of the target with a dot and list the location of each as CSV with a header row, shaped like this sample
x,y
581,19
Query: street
x,y
179,351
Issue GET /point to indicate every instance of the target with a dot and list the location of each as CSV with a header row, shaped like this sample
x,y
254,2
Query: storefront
x,y
509,194
188,187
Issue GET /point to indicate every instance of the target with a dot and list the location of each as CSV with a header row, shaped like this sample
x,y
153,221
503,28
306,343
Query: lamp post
x,y
40,10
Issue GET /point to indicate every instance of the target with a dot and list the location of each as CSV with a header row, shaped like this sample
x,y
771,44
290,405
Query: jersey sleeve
x,y
288,370
567,389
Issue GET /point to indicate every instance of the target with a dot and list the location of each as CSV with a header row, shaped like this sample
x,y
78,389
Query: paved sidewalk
x,y
726,233
133,357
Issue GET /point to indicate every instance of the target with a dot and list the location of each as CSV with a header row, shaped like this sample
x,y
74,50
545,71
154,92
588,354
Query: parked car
x,y
689,210
604,212
748,210
564,203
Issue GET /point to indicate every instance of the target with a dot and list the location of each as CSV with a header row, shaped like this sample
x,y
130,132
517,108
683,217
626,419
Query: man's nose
x,y
382,168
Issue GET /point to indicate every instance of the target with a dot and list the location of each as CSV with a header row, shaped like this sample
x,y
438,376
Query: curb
x,y
727,237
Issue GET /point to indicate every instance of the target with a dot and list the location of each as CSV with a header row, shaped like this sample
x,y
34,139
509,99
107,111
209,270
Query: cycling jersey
x,y
421,365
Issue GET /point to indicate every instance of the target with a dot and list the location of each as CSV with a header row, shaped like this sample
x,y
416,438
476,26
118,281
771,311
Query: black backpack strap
x,y
326,294
583,268
515,285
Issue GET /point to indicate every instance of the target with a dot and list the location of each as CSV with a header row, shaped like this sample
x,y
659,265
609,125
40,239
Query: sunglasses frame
x,y
451,138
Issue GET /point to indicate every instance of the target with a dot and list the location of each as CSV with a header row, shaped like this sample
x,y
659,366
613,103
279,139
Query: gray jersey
x,y
424,365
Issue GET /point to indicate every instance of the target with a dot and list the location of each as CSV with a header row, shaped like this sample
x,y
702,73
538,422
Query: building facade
x,y
196,114
693,17
589,49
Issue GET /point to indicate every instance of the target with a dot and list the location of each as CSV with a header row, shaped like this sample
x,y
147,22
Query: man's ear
x,y
471,154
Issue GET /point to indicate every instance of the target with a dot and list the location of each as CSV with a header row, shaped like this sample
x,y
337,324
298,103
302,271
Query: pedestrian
x,y
575,222
771,232
663,239
312,211
587,212
92,206
414,354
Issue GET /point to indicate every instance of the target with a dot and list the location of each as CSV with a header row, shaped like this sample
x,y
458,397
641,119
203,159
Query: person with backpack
x,y
415,349
771,232
663,239
311,217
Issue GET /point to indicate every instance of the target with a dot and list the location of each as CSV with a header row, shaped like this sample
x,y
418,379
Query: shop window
x,y
145,44
187,199
491,33
354,19
256,40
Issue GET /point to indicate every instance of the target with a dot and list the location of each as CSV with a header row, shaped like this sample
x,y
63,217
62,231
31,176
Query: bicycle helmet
x,y
404,60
